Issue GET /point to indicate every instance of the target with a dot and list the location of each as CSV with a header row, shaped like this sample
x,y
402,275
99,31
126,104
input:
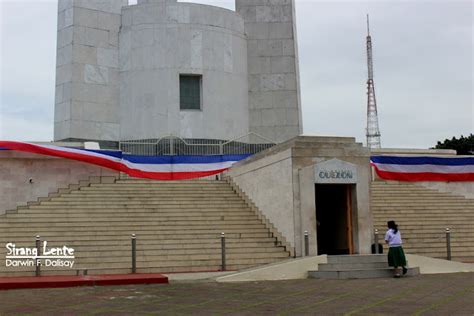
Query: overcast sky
x,y
423,68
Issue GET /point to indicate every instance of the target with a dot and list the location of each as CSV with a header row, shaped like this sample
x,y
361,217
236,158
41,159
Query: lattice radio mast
x,y
372,131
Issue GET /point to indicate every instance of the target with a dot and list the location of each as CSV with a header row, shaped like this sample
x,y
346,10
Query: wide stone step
x,y
86,255
381,216
138,228
415,198
178,227
434,205
162,184
214,211
152,245
156,220
196,207
423,215
140,194
411,193
359,274
382,220
191,181
440,241
432,228
348,259
422,210
127,216
147,199
431,224
441,249
147,188
164,233
171,236
144,202
351,266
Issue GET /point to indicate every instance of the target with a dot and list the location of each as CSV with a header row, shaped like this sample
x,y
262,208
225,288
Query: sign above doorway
x,y
335,171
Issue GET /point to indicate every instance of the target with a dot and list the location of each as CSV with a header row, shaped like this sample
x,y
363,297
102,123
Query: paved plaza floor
x,y
440,294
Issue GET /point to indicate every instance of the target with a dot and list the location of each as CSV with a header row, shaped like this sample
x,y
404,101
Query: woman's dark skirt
x,y
396,257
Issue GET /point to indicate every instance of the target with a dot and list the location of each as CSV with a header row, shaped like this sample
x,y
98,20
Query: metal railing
x,y
251,143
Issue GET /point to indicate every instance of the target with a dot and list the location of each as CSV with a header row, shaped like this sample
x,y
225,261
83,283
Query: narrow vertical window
x,y
190,92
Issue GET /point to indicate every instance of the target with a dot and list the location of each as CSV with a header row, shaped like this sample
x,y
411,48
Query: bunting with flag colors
x,y
151,167
424,168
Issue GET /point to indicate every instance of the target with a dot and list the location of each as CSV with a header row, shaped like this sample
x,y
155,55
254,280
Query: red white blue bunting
x,y
404,168
401,168
151,167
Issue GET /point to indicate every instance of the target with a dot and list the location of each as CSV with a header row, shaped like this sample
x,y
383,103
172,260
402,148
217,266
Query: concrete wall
x,y
268,182
307,152
87,76
274,90
280,181
159,41
48,175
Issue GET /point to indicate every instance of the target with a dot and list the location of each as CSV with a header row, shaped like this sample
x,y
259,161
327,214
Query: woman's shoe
x,y
397,276
405,270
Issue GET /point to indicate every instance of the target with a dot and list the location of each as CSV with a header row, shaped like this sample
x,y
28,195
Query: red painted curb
x,y
10,283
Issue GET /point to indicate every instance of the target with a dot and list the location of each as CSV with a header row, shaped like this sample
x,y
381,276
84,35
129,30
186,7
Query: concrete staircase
x,y
423,215
177,225
356,267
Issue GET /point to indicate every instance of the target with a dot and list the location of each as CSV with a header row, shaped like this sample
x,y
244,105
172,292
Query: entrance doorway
x,y
334,218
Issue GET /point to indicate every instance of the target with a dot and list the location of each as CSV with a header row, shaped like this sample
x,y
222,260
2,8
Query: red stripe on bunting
x,y
424,176
118,166
36,149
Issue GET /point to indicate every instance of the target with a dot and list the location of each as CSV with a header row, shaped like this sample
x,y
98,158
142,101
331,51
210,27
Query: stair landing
x,y
356,267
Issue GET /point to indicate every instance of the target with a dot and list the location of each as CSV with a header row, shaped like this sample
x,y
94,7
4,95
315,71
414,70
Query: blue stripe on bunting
x,y
461,161
113,153
183,159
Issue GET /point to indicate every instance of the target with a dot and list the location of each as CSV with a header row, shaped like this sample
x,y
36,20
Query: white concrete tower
x,y
183,71
87,74
274,89
163,67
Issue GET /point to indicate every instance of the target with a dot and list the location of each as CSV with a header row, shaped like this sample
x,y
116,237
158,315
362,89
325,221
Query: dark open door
x,y
334,219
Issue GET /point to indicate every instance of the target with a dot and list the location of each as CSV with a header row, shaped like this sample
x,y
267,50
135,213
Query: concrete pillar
x,y
87,74
274,93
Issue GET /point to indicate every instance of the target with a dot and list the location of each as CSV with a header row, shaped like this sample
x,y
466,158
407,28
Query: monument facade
x,y
162,67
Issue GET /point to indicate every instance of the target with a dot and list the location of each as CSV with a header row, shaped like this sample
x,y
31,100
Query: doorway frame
x,y
349,191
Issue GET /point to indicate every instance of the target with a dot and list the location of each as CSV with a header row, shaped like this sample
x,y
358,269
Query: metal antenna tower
x,y
372,131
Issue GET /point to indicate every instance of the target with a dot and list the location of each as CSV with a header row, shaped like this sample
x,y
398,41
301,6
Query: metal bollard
x,y
38,261
306,243
223,251
448,243
376,241
134,253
